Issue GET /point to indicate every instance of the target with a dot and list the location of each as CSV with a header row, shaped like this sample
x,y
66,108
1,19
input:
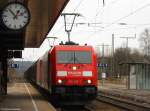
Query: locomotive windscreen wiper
x,y
76,60
71,60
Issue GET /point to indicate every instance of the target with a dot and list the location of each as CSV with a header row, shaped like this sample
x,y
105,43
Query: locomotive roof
x,y
72,47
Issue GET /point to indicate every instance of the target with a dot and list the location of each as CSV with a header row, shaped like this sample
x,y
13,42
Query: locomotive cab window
x,y
83,57
74,57
65,57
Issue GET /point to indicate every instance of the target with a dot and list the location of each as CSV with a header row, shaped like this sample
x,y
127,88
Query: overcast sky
x,y
101,21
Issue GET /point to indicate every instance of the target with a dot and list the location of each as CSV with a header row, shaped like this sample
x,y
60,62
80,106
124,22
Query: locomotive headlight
x,y
74,68
89,81
87,73
59,81
61,73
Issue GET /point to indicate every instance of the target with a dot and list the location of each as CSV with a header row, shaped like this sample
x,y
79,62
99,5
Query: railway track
x,y
74,108
122,103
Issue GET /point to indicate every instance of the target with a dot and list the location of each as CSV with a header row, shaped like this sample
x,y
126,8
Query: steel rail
x,y
87,108
84,108
122,103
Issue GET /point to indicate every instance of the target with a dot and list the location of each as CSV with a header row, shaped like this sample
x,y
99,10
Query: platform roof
x,y
44,15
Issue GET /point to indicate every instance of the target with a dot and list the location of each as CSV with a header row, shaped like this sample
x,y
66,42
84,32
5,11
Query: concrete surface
x,y
120,90
24,97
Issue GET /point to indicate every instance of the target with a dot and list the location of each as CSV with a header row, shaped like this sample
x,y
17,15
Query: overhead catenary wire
x,y
79,4
98,24
102,9
132,13
116,21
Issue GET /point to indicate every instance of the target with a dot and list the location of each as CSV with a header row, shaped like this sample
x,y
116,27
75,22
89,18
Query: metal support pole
x,y
112,65
103,56
103,2
103,50
127,40
4,75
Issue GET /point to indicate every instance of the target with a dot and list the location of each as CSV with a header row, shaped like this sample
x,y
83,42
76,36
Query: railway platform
x,y
22,96
120,91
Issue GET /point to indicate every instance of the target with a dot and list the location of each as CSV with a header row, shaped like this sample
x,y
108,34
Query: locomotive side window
x,y
65,57
83,57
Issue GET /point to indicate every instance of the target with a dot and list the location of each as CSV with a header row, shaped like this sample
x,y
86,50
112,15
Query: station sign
x,y
14,66
14,54
17,54
103,65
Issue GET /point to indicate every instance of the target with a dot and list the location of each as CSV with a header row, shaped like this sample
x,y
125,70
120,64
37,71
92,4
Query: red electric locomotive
x,y
68,72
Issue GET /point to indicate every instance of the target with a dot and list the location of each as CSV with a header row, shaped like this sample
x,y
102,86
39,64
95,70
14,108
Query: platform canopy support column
x,y
3,71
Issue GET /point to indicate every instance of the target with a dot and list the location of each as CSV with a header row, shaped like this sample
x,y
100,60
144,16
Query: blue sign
x,y
14,65
102,65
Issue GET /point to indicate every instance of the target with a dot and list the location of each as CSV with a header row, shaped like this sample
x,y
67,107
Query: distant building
x,y
138,74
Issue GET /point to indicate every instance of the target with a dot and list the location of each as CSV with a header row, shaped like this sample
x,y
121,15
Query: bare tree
x,y
136,56
125,55
121,55
145,41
